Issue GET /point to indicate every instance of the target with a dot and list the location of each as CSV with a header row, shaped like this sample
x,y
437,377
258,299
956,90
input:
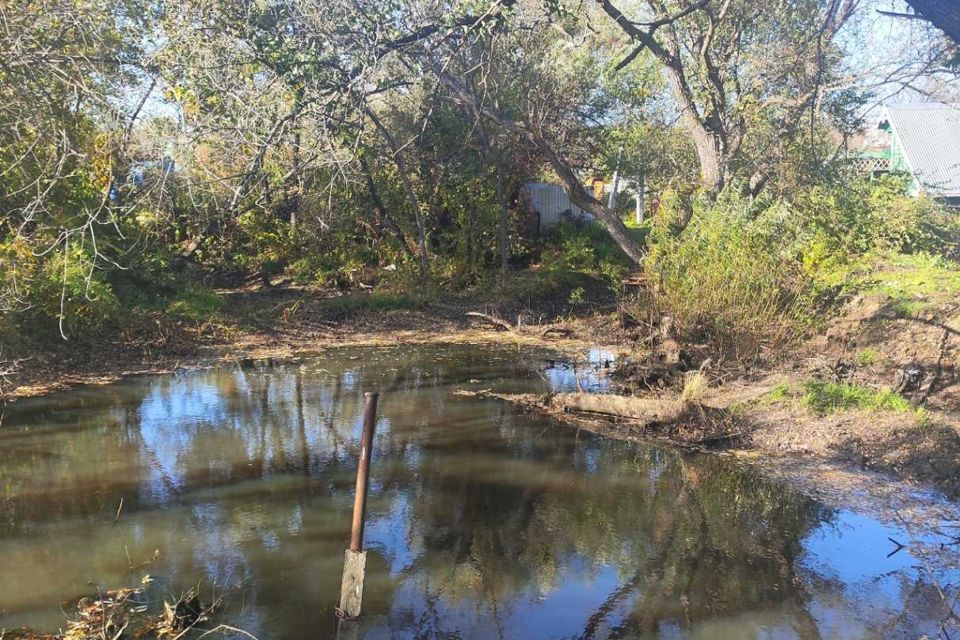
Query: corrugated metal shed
x,y
928,138
551,202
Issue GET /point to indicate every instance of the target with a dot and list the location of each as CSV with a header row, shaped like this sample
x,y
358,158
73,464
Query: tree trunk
x,y
382,209
408,190
943,14
711,163
706,143
641,186
612,201
707,140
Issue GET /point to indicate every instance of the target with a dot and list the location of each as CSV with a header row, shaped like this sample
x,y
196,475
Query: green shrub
x,y
576,296
730,276
533,288
18,268
376,301
53,293
586,248
747,272
330,265
864,216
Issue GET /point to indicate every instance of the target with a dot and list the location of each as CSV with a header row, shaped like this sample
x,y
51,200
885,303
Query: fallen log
x,y
502,325
643,410
647,410
686,424
472,394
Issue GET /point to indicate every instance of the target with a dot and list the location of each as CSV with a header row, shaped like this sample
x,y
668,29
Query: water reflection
x,y
484,523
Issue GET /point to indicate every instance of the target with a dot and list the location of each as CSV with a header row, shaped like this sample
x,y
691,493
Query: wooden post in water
x,y
355,558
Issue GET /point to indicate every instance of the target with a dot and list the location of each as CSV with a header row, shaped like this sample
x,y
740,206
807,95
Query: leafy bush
x,y
18,266
543,288
586,248
330,260
841,221
57,292
747,272
730,276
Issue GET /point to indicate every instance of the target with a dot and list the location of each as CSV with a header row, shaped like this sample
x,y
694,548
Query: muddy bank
x,y
779,435
925,454
283,323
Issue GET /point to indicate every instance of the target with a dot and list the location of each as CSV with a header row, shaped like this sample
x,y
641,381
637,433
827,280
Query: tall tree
x,y
70,94
733,64
555,109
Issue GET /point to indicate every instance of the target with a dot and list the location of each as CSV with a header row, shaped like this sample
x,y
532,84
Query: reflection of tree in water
x,y
719,541
921,601
69,471
690,538
496,509
496,512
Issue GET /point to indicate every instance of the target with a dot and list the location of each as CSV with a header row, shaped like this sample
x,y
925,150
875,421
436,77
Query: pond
x,y
484,522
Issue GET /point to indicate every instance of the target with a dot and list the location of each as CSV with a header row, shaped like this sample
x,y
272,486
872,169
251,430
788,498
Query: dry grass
x,y
127,613
695,387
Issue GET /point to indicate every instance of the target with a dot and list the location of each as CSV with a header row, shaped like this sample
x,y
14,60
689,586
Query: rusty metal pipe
x,y
363,471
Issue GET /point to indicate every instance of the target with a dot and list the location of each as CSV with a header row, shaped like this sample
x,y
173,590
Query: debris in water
x,y
125,613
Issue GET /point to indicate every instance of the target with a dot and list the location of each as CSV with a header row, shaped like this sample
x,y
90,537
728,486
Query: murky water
x,y
483,522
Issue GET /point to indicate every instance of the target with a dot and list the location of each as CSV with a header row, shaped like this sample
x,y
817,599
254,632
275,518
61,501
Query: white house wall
x,y
551,202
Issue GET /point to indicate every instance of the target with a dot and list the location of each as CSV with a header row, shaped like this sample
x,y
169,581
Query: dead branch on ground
x,y
502,325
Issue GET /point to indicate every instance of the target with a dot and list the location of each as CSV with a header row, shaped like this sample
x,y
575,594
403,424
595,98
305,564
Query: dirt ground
x,y
868,344
287,322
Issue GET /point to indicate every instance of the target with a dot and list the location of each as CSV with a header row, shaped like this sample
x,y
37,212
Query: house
x,y
924,142
550,203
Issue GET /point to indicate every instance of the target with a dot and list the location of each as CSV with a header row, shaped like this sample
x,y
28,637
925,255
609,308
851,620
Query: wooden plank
x,y
348,629
351,589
